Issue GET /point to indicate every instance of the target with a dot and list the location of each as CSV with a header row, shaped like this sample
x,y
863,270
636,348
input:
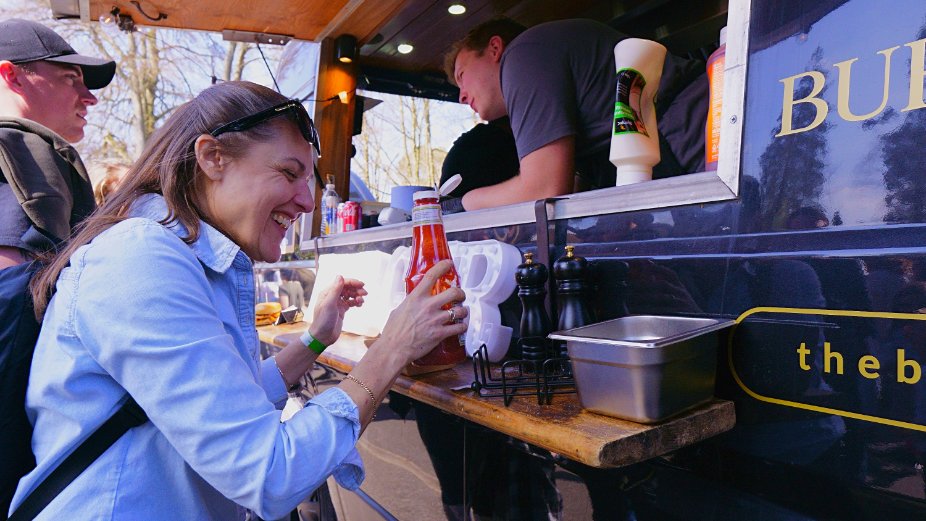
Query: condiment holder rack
x,y
519,377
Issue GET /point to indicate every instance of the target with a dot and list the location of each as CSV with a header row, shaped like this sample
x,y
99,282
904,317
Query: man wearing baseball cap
x,y
44,95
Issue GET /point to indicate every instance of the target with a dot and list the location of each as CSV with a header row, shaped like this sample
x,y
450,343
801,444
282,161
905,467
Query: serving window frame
x,y
693,188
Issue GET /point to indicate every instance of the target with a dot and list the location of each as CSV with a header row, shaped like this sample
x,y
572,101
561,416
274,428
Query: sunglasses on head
x,y
302,118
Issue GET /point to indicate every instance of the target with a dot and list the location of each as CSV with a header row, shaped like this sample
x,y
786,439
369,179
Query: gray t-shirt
x,y
559,79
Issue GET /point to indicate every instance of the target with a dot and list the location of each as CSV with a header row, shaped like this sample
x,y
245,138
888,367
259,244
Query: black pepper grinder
x,y
535,323
570,272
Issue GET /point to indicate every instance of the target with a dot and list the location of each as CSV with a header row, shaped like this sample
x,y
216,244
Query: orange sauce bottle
x,y
429,246
715,67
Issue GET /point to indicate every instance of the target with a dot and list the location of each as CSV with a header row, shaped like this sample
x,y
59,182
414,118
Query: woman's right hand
x,y
419,322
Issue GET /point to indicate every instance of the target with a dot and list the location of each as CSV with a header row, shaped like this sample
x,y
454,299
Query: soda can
x,y
349,216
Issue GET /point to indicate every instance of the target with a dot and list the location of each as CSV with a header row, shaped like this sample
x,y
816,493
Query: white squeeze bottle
x,y
634,139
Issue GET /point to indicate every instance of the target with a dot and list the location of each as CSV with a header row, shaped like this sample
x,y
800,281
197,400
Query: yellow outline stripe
x,y
805,406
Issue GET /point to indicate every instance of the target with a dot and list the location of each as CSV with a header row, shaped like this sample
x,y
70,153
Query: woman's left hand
x,y
333,302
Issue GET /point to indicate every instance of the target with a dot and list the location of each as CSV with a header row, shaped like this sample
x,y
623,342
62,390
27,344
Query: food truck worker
x,y
556,81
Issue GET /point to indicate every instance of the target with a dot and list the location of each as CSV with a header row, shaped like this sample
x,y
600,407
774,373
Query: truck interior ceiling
x,y
685,27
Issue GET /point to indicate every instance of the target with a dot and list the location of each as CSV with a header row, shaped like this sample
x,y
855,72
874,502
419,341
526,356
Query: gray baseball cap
x,y
23,41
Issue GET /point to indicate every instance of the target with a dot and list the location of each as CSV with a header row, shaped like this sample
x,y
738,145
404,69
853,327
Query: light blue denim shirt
x,y
173,324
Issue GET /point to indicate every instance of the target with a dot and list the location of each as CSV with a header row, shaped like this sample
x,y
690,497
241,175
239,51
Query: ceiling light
x,y
345,48
405,48
456,8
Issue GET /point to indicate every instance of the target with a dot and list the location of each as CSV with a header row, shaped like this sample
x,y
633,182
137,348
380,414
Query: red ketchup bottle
x,y
429,246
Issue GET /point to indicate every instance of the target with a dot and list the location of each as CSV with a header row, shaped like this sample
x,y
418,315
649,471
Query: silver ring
x,y
453,315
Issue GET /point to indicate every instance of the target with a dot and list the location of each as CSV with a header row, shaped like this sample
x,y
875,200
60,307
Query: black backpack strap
x,y
128,416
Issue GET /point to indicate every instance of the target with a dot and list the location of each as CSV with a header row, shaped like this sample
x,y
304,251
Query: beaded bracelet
x,y
367,389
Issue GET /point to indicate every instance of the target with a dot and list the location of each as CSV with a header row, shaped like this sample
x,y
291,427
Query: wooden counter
x,y
562,427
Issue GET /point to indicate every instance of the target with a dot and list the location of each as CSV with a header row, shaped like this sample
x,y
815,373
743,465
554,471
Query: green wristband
x,y
312,343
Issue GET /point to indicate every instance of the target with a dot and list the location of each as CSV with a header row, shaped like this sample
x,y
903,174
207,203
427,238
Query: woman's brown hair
x,y
168,167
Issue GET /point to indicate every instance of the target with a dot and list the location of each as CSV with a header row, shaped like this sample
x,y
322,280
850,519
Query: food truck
x,y
807,241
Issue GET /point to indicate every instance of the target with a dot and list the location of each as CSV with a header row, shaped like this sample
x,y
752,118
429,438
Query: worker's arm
x,y
545,172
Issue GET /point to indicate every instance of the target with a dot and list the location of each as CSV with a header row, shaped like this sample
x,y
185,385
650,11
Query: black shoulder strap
x,y
128,416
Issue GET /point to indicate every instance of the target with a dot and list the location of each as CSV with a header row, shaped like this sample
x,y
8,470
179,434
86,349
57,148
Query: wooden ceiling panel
x,y
303,19
364,22
432,30
431,33
388,32
380,25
